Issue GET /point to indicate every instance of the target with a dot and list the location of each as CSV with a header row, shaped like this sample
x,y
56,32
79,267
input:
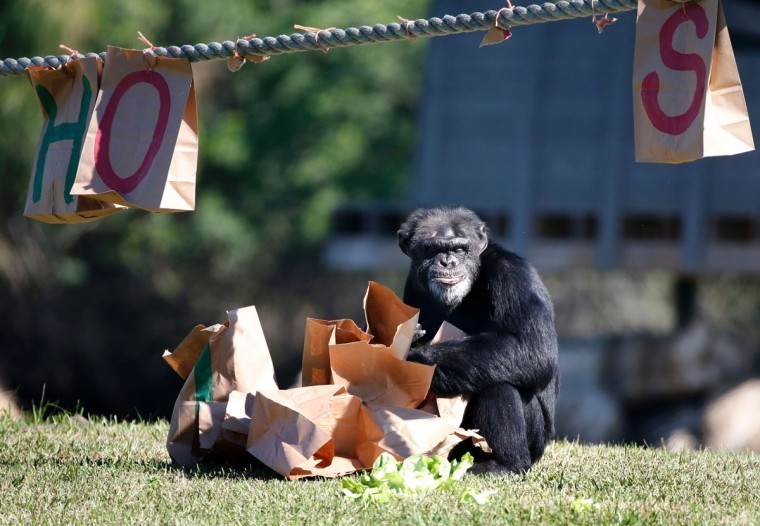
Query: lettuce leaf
x,y
416,475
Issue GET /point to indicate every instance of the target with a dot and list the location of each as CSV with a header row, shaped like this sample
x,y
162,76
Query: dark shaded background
x,y
88,309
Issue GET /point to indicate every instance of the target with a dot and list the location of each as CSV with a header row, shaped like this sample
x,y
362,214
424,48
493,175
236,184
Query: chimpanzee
x,y
508,362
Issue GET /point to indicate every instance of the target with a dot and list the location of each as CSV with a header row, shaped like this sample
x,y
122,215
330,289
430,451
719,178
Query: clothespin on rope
x,y
73,53
317,31
148,54
602,22
235,62
409,23
496,34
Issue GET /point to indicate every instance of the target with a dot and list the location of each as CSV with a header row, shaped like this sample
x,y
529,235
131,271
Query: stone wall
x,y
689,389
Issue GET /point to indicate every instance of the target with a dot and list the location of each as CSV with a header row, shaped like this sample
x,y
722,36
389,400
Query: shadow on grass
x,y
243,468
247,468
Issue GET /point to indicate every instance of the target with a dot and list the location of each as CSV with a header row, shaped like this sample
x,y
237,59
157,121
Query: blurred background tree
x,y
88,309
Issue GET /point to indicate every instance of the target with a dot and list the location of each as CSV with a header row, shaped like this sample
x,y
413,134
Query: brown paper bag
x,y
67,99
324,431
142,146
307,431
688,98
376,370
390,321
235,357
183,358
230,402
320,334
374,373
404,432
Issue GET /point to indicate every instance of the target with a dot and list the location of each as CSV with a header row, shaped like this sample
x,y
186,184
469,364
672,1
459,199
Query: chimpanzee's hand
x,y
419,332
420,355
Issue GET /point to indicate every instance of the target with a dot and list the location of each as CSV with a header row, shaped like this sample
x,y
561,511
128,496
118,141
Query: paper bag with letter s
x,y
67,99
142,146
687,97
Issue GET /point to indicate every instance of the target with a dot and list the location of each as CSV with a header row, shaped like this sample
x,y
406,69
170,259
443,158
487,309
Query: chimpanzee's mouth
x,y
449,280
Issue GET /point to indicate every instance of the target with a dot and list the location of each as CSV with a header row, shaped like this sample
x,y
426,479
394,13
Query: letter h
x,y
73,131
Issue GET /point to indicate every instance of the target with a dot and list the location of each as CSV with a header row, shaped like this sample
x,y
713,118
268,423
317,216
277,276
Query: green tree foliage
x,y
282,144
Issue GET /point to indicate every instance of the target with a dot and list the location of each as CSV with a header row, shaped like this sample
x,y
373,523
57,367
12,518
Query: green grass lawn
x,y
67,470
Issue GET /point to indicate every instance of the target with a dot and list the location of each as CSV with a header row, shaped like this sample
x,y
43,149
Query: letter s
x,y
650,86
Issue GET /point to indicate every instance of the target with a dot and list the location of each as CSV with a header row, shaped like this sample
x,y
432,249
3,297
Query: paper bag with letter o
x,y
142,146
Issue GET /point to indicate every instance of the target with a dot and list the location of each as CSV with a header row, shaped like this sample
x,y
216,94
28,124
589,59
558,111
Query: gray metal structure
x,y
536,134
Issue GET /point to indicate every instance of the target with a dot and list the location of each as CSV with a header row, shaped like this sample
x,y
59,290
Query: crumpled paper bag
x,y
225,358
321,429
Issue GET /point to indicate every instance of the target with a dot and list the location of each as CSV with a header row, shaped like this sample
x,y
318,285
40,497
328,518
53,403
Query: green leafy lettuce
x,y
416,475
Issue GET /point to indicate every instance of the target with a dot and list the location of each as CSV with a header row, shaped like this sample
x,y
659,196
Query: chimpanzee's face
x,y
445,250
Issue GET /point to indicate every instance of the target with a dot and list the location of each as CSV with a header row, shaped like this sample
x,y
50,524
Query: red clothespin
x,y
495,35
602,22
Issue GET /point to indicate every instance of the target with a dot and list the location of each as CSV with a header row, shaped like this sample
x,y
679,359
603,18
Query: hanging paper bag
x,y
142,146
687,97
67,98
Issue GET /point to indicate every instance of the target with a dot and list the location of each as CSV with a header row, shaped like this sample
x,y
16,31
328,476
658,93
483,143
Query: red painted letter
x,y
103,137
650,86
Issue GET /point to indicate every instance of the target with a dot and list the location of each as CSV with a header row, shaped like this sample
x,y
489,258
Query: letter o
x,y
124,185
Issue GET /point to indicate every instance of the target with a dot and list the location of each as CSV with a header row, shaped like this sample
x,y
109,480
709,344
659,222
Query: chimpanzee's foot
x,y
496,468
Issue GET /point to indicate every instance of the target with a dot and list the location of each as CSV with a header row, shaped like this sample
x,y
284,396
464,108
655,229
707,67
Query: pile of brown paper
x,y
360,396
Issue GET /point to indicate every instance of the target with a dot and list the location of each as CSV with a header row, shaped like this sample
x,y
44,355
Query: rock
x,y
681,440
732,421
584,409
591,416
696,360
659,423
8,405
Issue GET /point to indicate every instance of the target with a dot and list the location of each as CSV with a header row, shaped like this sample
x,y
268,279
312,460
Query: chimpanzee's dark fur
x,y
508,361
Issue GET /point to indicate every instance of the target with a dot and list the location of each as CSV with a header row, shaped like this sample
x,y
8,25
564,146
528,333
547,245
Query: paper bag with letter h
x,y
67,99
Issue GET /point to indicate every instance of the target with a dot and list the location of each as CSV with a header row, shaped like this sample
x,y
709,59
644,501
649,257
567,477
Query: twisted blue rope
x,y
353,36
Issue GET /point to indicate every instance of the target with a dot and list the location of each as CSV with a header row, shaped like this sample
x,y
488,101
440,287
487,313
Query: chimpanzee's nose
x,y
447,260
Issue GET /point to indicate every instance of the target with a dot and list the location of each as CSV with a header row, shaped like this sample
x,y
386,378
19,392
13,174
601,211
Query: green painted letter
x,y
73,131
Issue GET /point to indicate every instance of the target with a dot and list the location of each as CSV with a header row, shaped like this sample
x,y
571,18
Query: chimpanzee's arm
x,y
471,363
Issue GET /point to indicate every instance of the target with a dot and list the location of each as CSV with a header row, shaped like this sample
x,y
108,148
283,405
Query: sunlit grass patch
x,y
63,468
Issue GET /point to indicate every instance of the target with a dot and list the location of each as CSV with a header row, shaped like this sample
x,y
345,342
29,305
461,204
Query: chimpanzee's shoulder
x,y
498,259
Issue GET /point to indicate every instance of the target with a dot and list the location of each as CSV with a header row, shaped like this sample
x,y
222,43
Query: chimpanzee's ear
x,y
482,235
404,238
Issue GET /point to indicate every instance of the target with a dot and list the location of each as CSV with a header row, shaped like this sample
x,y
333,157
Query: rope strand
x,y
353,36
